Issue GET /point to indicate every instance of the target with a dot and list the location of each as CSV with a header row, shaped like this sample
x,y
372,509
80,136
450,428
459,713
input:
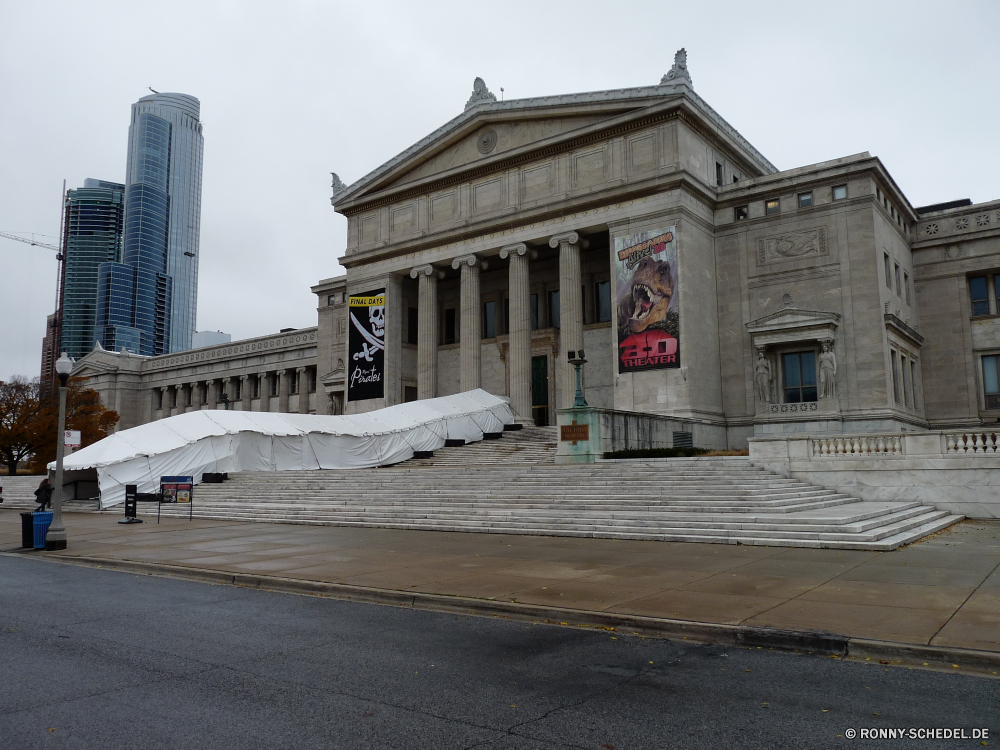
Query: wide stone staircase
x,y
512,486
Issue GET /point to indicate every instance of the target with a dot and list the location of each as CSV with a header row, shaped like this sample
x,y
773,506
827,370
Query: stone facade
x,y
493,238
294,371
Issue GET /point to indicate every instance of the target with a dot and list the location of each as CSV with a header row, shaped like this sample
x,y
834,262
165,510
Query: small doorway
x,y
540,390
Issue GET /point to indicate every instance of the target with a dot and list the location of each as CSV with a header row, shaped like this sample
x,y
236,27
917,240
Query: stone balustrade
x,y
955,470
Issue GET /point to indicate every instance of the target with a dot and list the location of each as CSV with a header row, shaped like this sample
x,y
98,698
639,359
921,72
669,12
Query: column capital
x,y
568,238
244,377
300,369
194,384
179,386
164,388
516,249
427,270
471,261
209,382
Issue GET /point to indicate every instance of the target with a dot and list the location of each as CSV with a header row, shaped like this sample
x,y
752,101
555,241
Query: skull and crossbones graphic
x,y
376,319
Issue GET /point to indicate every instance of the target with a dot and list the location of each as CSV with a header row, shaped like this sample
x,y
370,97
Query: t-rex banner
x,y
646,293
366,346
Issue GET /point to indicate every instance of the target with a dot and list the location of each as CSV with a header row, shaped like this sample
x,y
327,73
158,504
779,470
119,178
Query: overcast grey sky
x,y
291,91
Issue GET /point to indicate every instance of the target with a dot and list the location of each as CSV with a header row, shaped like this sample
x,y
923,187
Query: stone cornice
x,y
581,205
247,347
891,321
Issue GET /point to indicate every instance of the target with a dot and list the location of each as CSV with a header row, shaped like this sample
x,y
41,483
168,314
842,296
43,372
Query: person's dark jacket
x,y
43,495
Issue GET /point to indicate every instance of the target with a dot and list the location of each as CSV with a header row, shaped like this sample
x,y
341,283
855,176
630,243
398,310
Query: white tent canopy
x,y
230,441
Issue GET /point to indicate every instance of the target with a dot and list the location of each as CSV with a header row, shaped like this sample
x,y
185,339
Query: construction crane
x,y
33,242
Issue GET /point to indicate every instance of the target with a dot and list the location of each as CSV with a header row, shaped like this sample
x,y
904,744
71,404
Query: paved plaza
x,y
943,591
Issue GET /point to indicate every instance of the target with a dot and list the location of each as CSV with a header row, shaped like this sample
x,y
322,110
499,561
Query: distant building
x,y
48,360
202,339
94,223
147,302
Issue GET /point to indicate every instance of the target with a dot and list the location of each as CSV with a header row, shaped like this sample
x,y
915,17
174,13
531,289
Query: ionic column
x,y
213,395
570,311
265,392
303,390
427,323
471,321
164,402
178,399
245,392
195,397
519,356
226,390
283,391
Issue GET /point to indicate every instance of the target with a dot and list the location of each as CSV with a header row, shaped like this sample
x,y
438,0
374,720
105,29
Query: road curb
x,y
807,641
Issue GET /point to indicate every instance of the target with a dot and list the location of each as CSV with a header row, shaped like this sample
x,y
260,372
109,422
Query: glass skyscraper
x,y
147,301
94,221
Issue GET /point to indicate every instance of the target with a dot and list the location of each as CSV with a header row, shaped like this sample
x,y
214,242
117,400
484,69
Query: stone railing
x,y
862,446
964,443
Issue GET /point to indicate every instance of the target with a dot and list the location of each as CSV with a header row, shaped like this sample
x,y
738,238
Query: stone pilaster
x,y
570,312
519,356
213,394
471,321
283,391
265,392
164,401
427,340
303,381
245,393
195,396
178,400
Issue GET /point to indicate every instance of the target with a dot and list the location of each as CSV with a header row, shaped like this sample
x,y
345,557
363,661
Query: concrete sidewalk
x,y
943,591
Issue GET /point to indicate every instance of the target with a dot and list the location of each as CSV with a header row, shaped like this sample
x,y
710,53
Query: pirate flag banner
x,y
646,293
366,346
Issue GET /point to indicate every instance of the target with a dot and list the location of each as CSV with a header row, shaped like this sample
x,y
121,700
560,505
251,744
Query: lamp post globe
x,y
56,537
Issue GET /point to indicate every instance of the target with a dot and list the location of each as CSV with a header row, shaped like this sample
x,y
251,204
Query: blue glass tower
x,y
147,302
94,222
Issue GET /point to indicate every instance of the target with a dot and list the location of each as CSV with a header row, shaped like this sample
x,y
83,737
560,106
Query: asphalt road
x,y
94,658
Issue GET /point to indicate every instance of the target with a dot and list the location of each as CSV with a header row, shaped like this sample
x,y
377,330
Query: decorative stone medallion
x,y
486,141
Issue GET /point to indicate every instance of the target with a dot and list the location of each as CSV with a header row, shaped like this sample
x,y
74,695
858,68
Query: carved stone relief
x,y
792,246
486,141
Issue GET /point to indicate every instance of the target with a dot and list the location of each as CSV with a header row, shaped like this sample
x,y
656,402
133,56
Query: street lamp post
x,y
56,537
576,359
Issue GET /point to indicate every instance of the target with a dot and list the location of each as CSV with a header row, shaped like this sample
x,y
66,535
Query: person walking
x,y
43,494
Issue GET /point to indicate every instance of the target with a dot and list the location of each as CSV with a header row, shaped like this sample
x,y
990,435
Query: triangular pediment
x,y
793,318
492,132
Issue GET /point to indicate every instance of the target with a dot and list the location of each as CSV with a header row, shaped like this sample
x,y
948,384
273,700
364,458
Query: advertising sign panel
x,y
646,296
366,346
176,489
71,438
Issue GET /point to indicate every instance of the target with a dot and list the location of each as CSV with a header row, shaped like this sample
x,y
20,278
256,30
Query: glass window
x,y
293,384
506,315
449,326
991,381
888,267
839,192
603,294
239,389
805,199
979,295
899,283
533,303
772,206
800,377
718,174
554,308
895,376
906,286
913,380
904,365
489,320
996,289
742,212
332,299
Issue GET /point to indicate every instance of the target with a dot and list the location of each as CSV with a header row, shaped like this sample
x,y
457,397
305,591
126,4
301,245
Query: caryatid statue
x,y
827,372
762,377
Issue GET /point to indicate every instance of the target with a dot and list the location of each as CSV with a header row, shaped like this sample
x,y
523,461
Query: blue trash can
x,y
41,523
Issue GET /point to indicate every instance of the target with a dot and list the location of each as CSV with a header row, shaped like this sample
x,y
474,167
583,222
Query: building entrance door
x,y
540,390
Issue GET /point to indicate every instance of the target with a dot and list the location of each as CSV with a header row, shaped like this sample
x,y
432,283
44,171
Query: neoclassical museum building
x,y
636,225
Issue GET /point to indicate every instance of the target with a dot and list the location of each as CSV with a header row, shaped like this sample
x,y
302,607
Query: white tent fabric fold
x,y
231,441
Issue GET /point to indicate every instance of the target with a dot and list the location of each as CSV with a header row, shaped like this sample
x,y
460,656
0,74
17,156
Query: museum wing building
x,y
636,225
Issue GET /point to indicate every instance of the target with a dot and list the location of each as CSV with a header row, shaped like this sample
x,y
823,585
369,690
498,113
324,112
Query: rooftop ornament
x,y
479,94
679,72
